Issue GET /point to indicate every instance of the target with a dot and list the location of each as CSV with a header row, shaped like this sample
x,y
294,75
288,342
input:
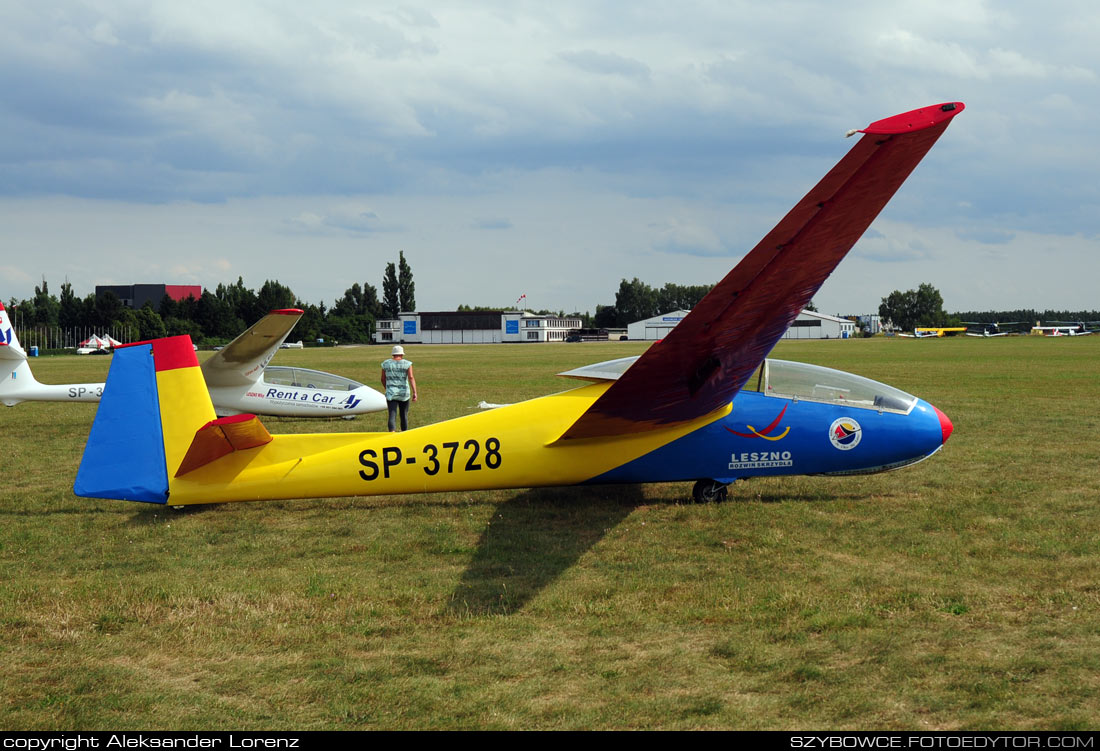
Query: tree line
x,y
637,301
924,307
218,316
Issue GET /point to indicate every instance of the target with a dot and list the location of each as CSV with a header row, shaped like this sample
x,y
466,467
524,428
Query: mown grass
x,y
959,593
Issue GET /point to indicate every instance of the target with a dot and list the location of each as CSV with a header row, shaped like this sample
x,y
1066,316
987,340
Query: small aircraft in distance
x,y
928,332
238,377
1065,328
705,404
986,330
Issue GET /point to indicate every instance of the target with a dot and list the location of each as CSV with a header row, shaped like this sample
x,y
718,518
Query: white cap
x,y
398,350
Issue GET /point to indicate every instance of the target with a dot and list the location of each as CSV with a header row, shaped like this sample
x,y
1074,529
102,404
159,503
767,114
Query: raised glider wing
x,y
681,411
238,376
241,381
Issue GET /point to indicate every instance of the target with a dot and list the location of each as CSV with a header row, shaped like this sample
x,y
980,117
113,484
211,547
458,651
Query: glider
x,y
704,404
238,376
18,383
1065,328
241,381
991,329
931,332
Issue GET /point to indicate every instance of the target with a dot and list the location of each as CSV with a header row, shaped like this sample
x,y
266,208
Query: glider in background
x,y
702,405
19,384
931,332
240,379
238,376
1065,328
986,330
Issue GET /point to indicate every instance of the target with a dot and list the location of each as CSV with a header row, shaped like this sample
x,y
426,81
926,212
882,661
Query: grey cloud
x,y
607,64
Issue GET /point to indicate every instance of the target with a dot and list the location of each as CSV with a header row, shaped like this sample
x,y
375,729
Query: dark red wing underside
x,y
705,360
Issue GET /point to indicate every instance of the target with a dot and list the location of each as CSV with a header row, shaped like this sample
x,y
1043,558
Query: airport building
x,y
136,295
473,327
813,325
657,327
808,325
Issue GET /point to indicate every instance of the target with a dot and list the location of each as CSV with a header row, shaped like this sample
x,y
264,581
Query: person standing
x,y
400,385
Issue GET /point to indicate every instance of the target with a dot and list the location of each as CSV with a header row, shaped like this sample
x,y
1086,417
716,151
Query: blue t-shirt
x,y
397,379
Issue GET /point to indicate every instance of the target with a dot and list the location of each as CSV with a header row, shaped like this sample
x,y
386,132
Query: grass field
x,y
961,593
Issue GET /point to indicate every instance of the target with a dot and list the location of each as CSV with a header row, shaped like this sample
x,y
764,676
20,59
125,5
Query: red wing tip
x,y
918,119
288,312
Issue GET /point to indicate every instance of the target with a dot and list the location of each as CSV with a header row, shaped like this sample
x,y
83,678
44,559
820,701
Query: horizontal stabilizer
x,y
223,436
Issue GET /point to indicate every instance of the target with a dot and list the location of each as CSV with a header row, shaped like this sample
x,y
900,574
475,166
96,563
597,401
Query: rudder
x,y
154,401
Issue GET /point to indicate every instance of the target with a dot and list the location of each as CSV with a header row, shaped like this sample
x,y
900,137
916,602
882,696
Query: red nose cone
x,y
945,424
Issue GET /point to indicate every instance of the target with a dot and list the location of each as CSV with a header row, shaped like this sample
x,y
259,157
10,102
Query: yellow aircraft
x,y
702,405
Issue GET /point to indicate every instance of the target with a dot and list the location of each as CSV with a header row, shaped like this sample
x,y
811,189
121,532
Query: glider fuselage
x,y
760,433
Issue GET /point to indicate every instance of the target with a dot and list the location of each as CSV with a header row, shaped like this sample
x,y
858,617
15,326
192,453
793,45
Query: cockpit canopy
x,y
797,380
280,375
789,380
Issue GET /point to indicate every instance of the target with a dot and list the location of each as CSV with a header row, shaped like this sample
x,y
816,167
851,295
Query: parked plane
x,y
1063,328
19,384
238,376
702,405
927,332
977,328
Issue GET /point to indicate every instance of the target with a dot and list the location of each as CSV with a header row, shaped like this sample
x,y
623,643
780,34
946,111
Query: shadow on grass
x,y
533,538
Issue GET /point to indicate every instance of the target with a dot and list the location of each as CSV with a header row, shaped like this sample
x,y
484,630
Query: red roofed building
x,y
136,295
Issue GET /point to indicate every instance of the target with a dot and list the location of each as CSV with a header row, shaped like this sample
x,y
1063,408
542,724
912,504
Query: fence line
x,y
55,337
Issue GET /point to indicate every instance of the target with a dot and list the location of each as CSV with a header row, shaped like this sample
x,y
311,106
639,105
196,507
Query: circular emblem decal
x,y
845,433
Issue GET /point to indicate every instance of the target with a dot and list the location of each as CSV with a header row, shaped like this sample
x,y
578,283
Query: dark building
x,y
136,295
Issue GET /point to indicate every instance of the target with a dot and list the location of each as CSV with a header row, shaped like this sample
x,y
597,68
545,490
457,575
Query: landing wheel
x,y
709,491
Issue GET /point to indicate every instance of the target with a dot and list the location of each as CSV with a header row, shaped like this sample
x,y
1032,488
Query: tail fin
x,y
9,342
14,370
154,402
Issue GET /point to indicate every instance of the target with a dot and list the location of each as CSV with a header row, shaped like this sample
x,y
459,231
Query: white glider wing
x,y
243,360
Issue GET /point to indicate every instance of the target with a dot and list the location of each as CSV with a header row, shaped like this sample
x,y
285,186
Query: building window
x,y
533,336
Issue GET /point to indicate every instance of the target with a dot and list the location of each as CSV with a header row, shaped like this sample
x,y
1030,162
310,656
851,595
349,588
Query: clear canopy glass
x,y
302,377
798,380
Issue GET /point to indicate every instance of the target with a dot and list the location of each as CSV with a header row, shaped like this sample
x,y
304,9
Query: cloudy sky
x,y
546,149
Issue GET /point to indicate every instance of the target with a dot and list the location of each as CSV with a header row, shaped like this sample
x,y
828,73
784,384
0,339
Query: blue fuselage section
x,y
768,435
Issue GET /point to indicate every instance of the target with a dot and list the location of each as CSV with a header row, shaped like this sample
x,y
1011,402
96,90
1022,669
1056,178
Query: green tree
x,y
635,301
149,323
106,310
680,296
274,296
353,315
916,307
70,311
391,300
243,302
46,306
406,288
